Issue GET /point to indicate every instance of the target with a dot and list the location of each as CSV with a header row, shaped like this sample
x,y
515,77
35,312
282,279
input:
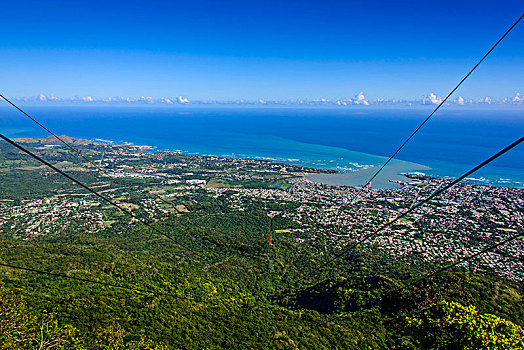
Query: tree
x,y
451,325
20,329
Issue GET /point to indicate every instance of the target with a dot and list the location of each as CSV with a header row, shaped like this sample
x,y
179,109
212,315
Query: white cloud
x,y
431,99
166,100
360,99
517,98
182,100
147,99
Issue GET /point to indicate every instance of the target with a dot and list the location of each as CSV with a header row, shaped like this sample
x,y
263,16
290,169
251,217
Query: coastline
x,y
321,140
349,168
389,178
358,168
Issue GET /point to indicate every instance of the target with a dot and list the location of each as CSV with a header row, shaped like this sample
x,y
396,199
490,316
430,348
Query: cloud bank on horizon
x,y
359,100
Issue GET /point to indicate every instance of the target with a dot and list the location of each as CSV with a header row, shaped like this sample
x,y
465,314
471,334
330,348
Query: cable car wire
x,y
25,150
136,194
357,194
410,210
467,258
62,275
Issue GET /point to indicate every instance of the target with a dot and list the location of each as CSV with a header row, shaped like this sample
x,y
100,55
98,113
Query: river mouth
x,y
388,178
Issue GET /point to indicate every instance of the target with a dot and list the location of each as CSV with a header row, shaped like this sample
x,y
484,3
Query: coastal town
x,y
459,223
262,175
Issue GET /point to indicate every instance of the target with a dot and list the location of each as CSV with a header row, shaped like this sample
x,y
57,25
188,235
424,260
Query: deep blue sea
x,y
352,140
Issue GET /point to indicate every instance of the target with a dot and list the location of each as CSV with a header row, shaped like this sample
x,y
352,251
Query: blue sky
x,y
258,49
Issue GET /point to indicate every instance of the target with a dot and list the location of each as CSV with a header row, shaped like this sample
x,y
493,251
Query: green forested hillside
x,y
221,285
231,295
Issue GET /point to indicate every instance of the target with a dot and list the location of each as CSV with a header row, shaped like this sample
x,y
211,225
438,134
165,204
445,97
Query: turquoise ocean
x,y
352,140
